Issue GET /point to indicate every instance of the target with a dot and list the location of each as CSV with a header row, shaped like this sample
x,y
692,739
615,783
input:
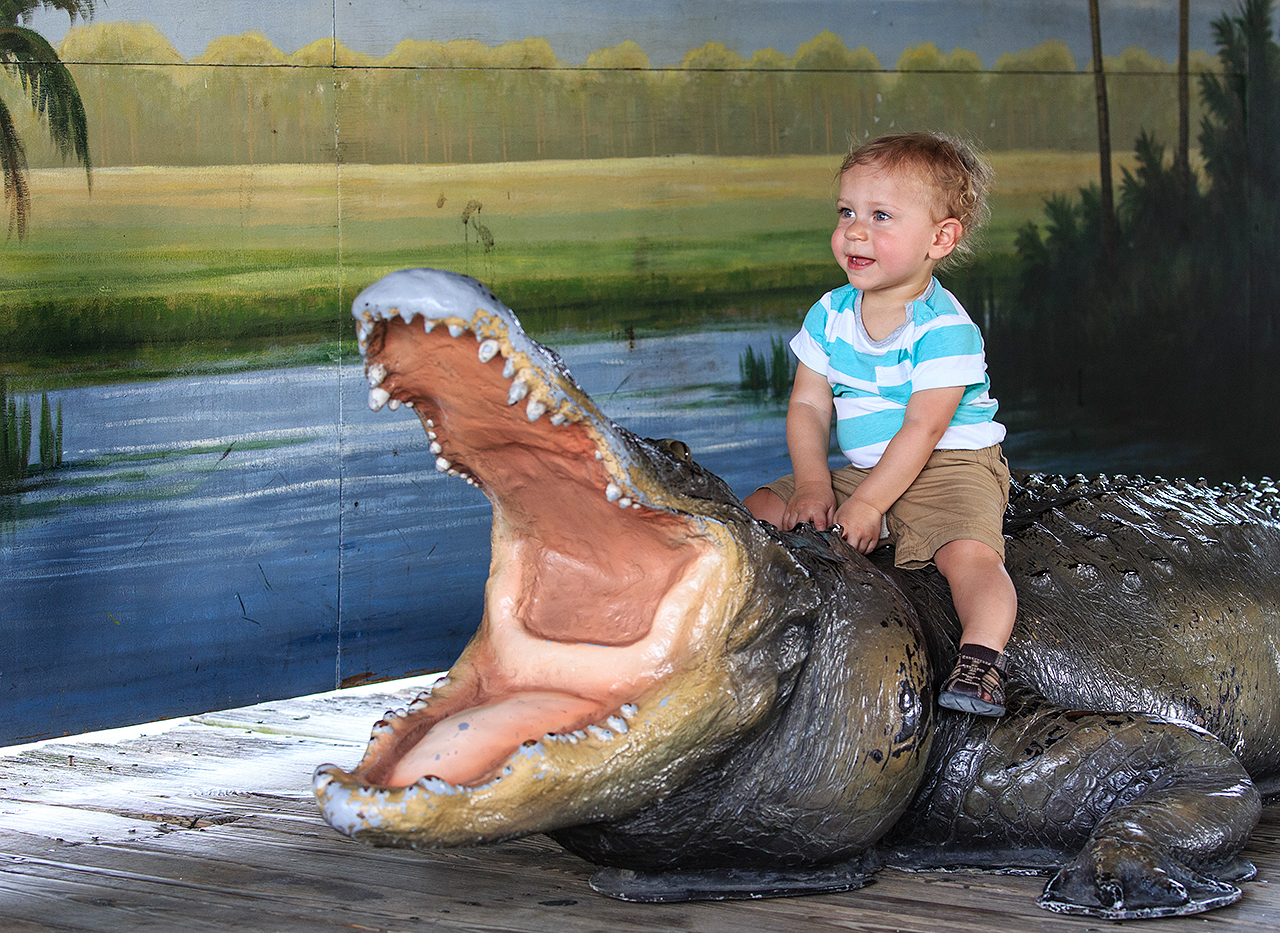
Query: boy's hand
x,y
811,502
861,524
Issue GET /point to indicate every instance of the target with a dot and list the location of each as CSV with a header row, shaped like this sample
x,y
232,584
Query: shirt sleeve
x,y
810,343
946,355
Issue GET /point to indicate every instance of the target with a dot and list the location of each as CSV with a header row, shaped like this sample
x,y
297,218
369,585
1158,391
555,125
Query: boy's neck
x,y
884,311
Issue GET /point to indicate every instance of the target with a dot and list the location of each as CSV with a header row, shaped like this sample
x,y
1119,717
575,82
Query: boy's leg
x,y
767,505
984,597
987,605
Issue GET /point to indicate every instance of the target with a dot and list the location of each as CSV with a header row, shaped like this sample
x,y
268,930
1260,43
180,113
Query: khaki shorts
x,y
959,495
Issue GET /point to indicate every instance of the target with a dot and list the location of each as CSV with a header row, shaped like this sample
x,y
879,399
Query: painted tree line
x,y
243,101
1178,322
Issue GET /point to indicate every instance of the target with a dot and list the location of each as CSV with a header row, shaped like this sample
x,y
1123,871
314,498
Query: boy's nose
x,y
856,230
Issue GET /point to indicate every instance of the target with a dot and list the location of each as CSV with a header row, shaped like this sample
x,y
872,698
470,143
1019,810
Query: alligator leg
x,y
1142,816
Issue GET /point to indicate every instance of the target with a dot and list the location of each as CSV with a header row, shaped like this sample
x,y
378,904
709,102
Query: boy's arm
x,y
808,439
929,412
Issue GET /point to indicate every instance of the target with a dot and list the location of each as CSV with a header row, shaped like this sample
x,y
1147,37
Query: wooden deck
x,y
208,824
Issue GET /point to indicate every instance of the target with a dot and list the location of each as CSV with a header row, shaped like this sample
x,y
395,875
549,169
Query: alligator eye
x,y
678,449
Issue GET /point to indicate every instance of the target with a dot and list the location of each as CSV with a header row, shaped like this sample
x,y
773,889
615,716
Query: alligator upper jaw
x,y
598,670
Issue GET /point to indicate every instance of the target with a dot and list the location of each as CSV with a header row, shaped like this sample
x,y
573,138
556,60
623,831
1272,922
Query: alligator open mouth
x,y
598,665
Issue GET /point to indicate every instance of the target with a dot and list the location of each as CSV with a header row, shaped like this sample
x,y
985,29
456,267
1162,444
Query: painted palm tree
x,y
28,57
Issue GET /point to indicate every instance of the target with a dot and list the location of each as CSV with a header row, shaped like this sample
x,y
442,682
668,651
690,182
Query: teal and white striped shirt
x,y
938,346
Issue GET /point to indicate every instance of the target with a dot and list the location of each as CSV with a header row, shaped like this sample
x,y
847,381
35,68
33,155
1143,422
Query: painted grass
x,y
169,269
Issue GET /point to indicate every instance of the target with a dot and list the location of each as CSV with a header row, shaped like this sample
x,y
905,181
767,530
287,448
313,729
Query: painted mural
x,y
197,508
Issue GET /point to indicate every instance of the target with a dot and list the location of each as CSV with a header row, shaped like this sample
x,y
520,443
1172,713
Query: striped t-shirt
x,y
938,346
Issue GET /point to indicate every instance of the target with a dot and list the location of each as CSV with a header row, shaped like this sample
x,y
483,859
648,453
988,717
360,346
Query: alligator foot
x,y
733,884
1127,880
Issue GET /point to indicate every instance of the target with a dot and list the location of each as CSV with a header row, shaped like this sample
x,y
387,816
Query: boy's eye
x,y
844,213
879,215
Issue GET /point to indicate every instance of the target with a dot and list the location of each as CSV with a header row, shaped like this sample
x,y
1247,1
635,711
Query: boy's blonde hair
x,y
959,176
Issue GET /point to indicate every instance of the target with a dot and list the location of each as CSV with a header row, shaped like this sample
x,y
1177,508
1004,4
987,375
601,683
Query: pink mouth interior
x,y
580,570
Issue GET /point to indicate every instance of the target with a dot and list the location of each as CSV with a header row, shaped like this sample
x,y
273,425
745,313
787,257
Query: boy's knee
x,y
965,554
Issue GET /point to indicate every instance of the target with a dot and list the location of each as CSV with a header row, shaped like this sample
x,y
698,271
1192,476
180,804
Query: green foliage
x,y
52,94
771,374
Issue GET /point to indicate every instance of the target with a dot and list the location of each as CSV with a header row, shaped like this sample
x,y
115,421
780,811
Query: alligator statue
x,y
707,707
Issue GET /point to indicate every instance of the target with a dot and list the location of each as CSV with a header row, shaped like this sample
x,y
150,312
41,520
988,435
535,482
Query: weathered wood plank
x,y
211,826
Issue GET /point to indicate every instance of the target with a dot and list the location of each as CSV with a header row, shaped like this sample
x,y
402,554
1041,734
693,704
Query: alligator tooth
x,y
488,350
430,423
616,724
628,710
363,331
378,398
433,785
380,728
535,409
612,492
604,735
455,330
454,473
442,465
393,404
436,448
408,404
519,389
377,372
599,456
407,316
508,369
624,503
431,435
558,419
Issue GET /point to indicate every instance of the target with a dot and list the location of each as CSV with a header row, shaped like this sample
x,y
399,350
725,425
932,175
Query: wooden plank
x,y
210,825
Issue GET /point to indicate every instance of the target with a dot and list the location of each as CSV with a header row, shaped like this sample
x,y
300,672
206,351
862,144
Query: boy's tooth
x,y
535,409
378,398
488,350
455,330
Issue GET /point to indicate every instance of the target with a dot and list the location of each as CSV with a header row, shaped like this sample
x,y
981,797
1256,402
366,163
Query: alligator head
x,y
640,630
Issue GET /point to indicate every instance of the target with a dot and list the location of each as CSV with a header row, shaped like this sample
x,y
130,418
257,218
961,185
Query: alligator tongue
x,y
466,747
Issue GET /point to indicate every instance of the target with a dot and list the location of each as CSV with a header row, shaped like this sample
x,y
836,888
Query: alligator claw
x,y
1123,880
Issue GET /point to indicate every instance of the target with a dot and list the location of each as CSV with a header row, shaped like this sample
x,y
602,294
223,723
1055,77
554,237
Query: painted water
x,y
217,541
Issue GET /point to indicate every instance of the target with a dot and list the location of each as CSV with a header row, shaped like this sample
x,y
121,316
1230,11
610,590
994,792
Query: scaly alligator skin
x,y
710,708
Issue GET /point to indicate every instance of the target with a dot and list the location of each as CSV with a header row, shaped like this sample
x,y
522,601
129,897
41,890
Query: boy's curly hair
x,y
960,178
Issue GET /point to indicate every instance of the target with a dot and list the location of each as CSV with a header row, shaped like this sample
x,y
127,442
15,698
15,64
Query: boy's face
x,y
886,238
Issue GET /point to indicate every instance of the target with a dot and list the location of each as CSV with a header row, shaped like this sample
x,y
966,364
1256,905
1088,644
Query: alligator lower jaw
x,y
577,699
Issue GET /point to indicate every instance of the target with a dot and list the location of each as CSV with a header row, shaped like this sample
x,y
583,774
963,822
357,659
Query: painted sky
x,y
668,28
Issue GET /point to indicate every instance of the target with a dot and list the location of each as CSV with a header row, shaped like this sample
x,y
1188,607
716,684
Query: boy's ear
x,y
945,238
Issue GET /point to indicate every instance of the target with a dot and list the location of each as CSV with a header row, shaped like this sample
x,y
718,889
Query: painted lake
x,y
217,541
